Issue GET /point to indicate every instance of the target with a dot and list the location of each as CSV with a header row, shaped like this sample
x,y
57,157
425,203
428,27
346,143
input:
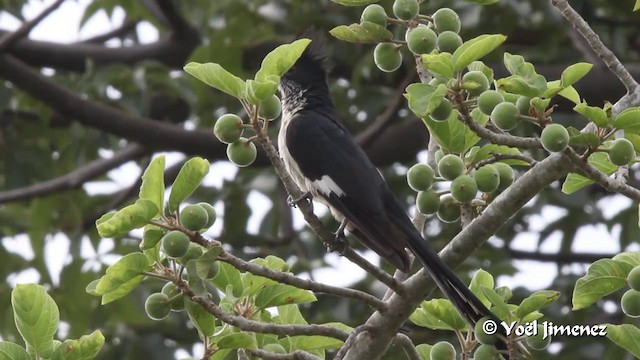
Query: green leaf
x,y
365,32
85,348
586,138
603,277
122,277
593,113
201,319
217,77
11,351
475,49
482,278
450,134
258,91
636,6
194,279
533,86
499,303
281,294
290,314
318,342
626,336
573,73
152,187
486,151
280,60
228,276
480,66
131,217
418,96
151,236
424,351
203,263
628,120
513,63
436,98
36,316
570,93
630,257
439,65
575,182
187,181
241,340
438,314
536,301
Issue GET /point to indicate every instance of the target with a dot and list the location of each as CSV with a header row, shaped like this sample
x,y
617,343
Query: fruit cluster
x,y
630,301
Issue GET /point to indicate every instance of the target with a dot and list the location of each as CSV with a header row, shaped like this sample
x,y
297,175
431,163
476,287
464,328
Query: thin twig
x,y
123,29
10,38
405,342
349,342
609,58
296,355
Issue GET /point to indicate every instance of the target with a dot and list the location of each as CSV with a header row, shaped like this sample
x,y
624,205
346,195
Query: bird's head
x,y
309,72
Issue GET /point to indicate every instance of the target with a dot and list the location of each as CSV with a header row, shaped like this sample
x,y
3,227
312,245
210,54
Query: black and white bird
x,y
326,162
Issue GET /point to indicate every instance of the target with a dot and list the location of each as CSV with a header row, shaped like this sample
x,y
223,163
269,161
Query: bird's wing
x,y
344,176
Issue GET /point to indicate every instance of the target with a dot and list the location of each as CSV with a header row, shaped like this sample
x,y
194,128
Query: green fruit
x,y
634,278
428,202
486,352
211,214
505,116
194,252
442,111
435,82
228,128
446,19
157,306
242,152
488,100
450,166
506,175
439,155
464,188
194,217
421,40
420,177
175,244
476,81
449,210
484,338
406,9
448,41
387,57
374,13
537,342
172,291
622,152
554,138
488,178
442,350
275,348
631,303
523,104
270,108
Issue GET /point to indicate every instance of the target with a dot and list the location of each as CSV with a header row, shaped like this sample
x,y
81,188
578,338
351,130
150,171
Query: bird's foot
x,y
293,202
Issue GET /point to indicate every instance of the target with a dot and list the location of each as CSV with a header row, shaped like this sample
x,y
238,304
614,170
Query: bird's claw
x,y
293,202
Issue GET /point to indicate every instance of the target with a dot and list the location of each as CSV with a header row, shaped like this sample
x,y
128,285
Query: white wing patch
x,y
326,186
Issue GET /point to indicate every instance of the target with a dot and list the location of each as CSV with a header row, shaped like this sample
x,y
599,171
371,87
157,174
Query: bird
x,y
326,163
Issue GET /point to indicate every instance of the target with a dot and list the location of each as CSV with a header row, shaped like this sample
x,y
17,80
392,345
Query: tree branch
x,y
9,39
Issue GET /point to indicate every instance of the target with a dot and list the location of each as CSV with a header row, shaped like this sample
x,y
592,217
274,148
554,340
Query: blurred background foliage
x,y
40,143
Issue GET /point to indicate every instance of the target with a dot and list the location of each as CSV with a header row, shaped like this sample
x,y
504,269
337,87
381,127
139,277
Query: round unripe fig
x,y
420,177
374,13
481,336
406,9
486,352
194,217
446,19
554,138
443,350
175,244
439,155
270,108
442,111
450,166
622,152
464,188
537,341
488,178
523,104
506,175
634,278
488,100
172,291
211,214
194,252
505,116
478,80
228,128
428,202
157,306
449,210
242,152
275,348
448,41
421,40
631,303
387,57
